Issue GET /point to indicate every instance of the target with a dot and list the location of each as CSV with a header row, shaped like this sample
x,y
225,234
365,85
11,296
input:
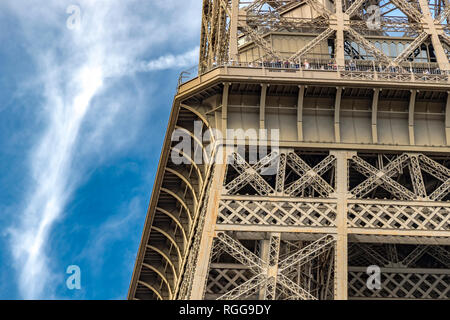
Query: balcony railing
x,y
357,70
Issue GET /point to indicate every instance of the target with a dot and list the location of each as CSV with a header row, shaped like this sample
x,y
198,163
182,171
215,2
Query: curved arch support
x,y
186,181
199,142
161,275
200,116
176,220
181,201
172,240
167,258
191,162
150,287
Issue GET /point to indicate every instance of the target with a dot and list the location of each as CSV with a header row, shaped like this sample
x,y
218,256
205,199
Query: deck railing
x,y
369,70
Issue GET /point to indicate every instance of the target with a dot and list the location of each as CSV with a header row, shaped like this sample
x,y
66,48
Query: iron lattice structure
x,y
354,96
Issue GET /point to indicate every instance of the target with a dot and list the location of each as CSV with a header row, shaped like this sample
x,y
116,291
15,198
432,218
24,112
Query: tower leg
x,y
206,243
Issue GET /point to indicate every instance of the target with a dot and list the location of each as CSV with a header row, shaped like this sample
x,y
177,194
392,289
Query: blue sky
x,y
84,106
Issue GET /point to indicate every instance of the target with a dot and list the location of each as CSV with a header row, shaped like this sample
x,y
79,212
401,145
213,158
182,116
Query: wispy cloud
x,y
171,61
75,68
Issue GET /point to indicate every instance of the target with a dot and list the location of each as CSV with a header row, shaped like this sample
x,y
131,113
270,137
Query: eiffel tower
x,y
350,100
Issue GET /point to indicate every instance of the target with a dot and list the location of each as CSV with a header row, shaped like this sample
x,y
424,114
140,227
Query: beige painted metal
x,y
341,224
392,128
202,264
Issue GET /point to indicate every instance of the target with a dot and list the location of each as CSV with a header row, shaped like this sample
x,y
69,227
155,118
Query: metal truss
x,y
270,273
284,213
369,255
246,289
371,202
398,216
309,176
306,254
250,174
384,177
226,278
389,24
319,8
261,42
401,284
441,254
368,45
260,18
410,48
178,210
443,15
321,37
215,33
415,255
408,9
407,272
185,286
240,253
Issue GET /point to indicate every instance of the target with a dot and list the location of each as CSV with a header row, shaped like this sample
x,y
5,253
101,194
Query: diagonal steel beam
x,y
307,253
244,289
225,5
373,255
416,177
381,178
272,266
249,174
297,291
310,45
414,255
281,173
434,168
319,8
441,254
240,253
368,46
302,168
354,6
408,9
410,48
441,191
443,15
255,5
260,41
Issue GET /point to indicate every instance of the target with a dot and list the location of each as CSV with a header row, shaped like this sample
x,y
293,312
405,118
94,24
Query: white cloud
x,y
171,61
75,67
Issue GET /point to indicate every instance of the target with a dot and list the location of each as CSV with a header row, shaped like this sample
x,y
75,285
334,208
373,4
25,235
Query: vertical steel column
x,y
301,96
204,254
341,250
412,105
447,119
234,20
430,27
376,94
337,115
272,266
262,107
339,27
226,89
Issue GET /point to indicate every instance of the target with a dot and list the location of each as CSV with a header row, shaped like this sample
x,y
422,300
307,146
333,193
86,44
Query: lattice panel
x,y
409,185
221,281
317,214
401,216
268,273
401,286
